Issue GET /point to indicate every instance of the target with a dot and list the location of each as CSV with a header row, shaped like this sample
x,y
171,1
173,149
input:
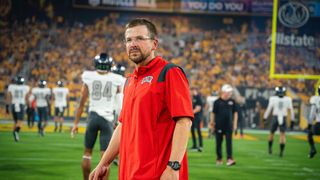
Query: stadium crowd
x,y
61,50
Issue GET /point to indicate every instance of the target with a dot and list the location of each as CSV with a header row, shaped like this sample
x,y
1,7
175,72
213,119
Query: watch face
x,y
176,166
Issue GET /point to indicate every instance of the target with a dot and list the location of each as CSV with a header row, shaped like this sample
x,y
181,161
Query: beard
x,y
137,56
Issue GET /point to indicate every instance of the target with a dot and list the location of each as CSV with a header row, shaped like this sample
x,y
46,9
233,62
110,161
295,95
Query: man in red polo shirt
x,y
156,115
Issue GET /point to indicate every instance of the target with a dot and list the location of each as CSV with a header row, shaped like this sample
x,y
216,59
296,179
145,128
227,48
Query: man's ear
x,y
155,44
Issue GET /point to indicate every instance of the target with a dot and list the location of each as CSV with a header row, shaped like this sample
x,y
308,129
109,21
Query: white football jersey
x,y
40,95
280,107
210,101
119,97
60,96
315,109
18,93
102,92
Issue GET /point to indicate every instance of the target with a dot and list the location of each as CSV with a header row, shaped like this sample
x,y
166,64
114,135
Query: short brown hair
x,y
141,21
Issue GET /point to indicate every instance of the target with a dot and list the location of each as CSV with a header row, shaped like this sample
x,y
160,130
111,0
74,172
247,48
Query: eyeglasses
x,y
137,39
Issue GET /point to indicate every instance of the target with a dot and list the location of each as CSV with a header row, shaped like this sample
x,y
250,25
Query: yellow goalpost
x,y
273,74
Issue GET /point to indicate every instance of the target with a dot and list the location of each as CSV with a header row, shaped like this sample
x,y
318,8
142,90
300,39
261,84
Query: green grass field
x,y
57,156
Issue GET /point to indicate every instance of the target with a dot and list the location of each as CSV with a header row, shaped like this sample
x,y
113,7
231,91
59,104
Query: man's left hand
x,y
169,174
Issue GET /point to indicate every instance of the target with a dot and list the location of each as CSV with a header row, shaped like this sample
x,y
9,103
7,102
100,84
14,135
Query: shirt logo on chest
x,y
147,79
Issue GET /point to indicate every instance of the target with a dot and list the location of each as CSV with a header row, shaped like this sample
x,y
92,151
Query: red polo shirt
x,y
150,105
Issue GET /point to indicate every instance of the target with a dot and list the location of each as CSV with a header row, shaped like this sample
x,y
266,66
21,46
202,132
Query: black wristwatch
x,y
175,165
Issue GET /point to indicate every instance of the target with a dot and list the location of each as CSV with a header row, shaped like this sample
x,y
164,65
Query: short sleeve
x,y
177,94
10,88
84,77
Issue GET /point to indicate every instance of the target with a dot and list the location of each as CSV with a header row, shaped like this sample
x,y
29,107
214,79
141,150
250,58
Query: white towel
x,y
17,107
280,120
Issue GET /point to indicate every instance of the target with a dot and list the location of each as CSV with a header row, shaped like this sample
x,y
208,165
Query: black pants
x,y
30,114
196,126
43,116
98,123
219,140
240,122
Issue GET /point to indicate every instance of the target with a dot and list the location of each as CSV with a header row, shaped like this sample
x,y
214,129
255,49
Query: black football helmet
x,y
19,80
60,84
280,91
118,69
103,62
42,83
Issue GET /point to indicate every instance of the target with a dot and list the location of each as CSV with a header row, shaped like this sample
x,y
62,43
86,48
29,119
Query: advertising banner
x,y
216,6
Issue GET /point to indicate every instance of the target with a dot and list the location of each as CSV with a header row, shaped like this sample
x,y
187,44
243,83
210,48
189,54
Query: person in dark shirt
x,y
223,121
240,101
197,110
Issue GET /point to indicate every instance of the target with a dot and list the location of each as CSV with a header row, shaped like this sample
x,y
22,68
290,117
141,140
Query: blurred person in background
x,y
42,96
314,128
196,124
16,101
279,104
61,99
240,100
118,69
208,109
31,110
223,122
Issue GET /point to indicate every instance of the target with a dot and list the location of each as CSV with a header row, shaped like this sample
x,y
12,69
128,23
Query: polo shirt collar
x,y
143,69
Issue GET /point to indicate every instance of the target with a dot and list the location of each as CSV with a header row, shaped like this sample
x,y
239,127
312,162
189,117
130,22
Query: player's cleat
x,y
312,153
193,149
200,149
219,162
16,136
41,132
231,162
270,151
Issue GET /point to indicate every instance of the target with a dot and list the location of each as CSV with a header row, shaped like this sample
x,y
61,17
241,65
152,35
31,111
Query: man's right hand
x,y
211,127
99,173
74,130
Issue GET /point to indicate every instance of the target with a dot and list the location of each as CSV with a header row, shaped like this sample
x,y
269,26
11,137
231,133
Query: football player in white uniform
x,y
208,110
314,129
17,98
279,104
101,86
119,69
60,97
42,96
